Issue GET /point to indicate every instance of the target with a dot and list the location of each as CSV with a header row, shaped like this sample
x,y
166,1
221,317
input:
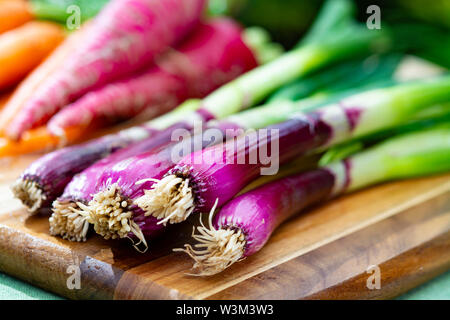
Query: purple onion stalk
x,y
88,197
219,172
111,210
244,225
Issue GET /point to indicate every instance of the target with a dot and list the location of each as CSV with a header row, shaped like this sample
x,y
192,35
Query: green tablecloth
x,y
11,288
436,289
15,289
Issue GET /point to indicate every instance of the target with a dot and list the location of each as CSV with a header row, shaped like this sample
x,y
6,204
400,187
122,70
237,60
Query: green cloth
x,y
14,289
436,289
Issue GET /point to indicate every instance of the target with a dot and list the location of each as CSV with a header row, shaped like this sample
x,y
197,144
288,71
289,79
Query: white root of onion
x,y
68,222
216,250
169,199
29,193
108,212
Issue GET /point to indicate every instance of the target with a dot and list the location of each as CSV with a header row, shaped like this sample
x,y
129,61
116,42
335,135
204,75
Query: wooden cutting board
x,y
402,228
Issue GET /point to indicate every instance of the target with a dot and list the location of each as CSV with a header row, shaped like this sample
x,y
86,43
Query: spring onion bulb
x,y
67,220
243,226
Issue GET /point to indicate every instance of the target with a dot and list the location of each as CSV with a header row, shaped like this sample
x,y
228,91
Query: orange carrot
x,y
13,13
36,140
29,85
22,49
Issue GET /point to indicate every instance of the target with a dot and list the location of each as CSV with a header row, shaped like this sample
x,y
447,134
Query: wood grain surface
x,y
403,228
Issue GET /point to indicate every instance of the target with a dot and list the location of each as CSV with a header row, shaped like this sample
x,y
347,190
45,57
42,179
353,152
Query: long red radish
x,y
22,49
200,65
125,37
13,13
29,85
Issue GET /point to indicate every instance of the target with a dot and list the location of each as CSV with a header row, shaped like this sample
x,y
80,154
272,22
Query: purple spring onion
x,y
198,179
66,220
111,210
216,172
120,181
244,225
46,178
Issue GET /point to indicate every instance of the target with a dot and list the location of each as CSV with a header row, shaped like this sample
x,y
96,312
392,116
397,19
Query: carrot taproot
x,y
125,37
35,140
29,85
13,13
22,49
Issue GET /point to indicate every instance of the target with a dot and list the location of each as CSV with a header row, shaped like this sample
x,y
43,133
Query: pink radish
x,y
201,64
126,36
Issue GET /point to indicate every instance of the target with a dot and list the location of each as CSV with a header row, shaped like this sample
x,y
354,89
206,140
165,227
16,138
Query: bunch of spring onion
x,y
243,226
198,179
41,183
136,197
103,194
70,218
